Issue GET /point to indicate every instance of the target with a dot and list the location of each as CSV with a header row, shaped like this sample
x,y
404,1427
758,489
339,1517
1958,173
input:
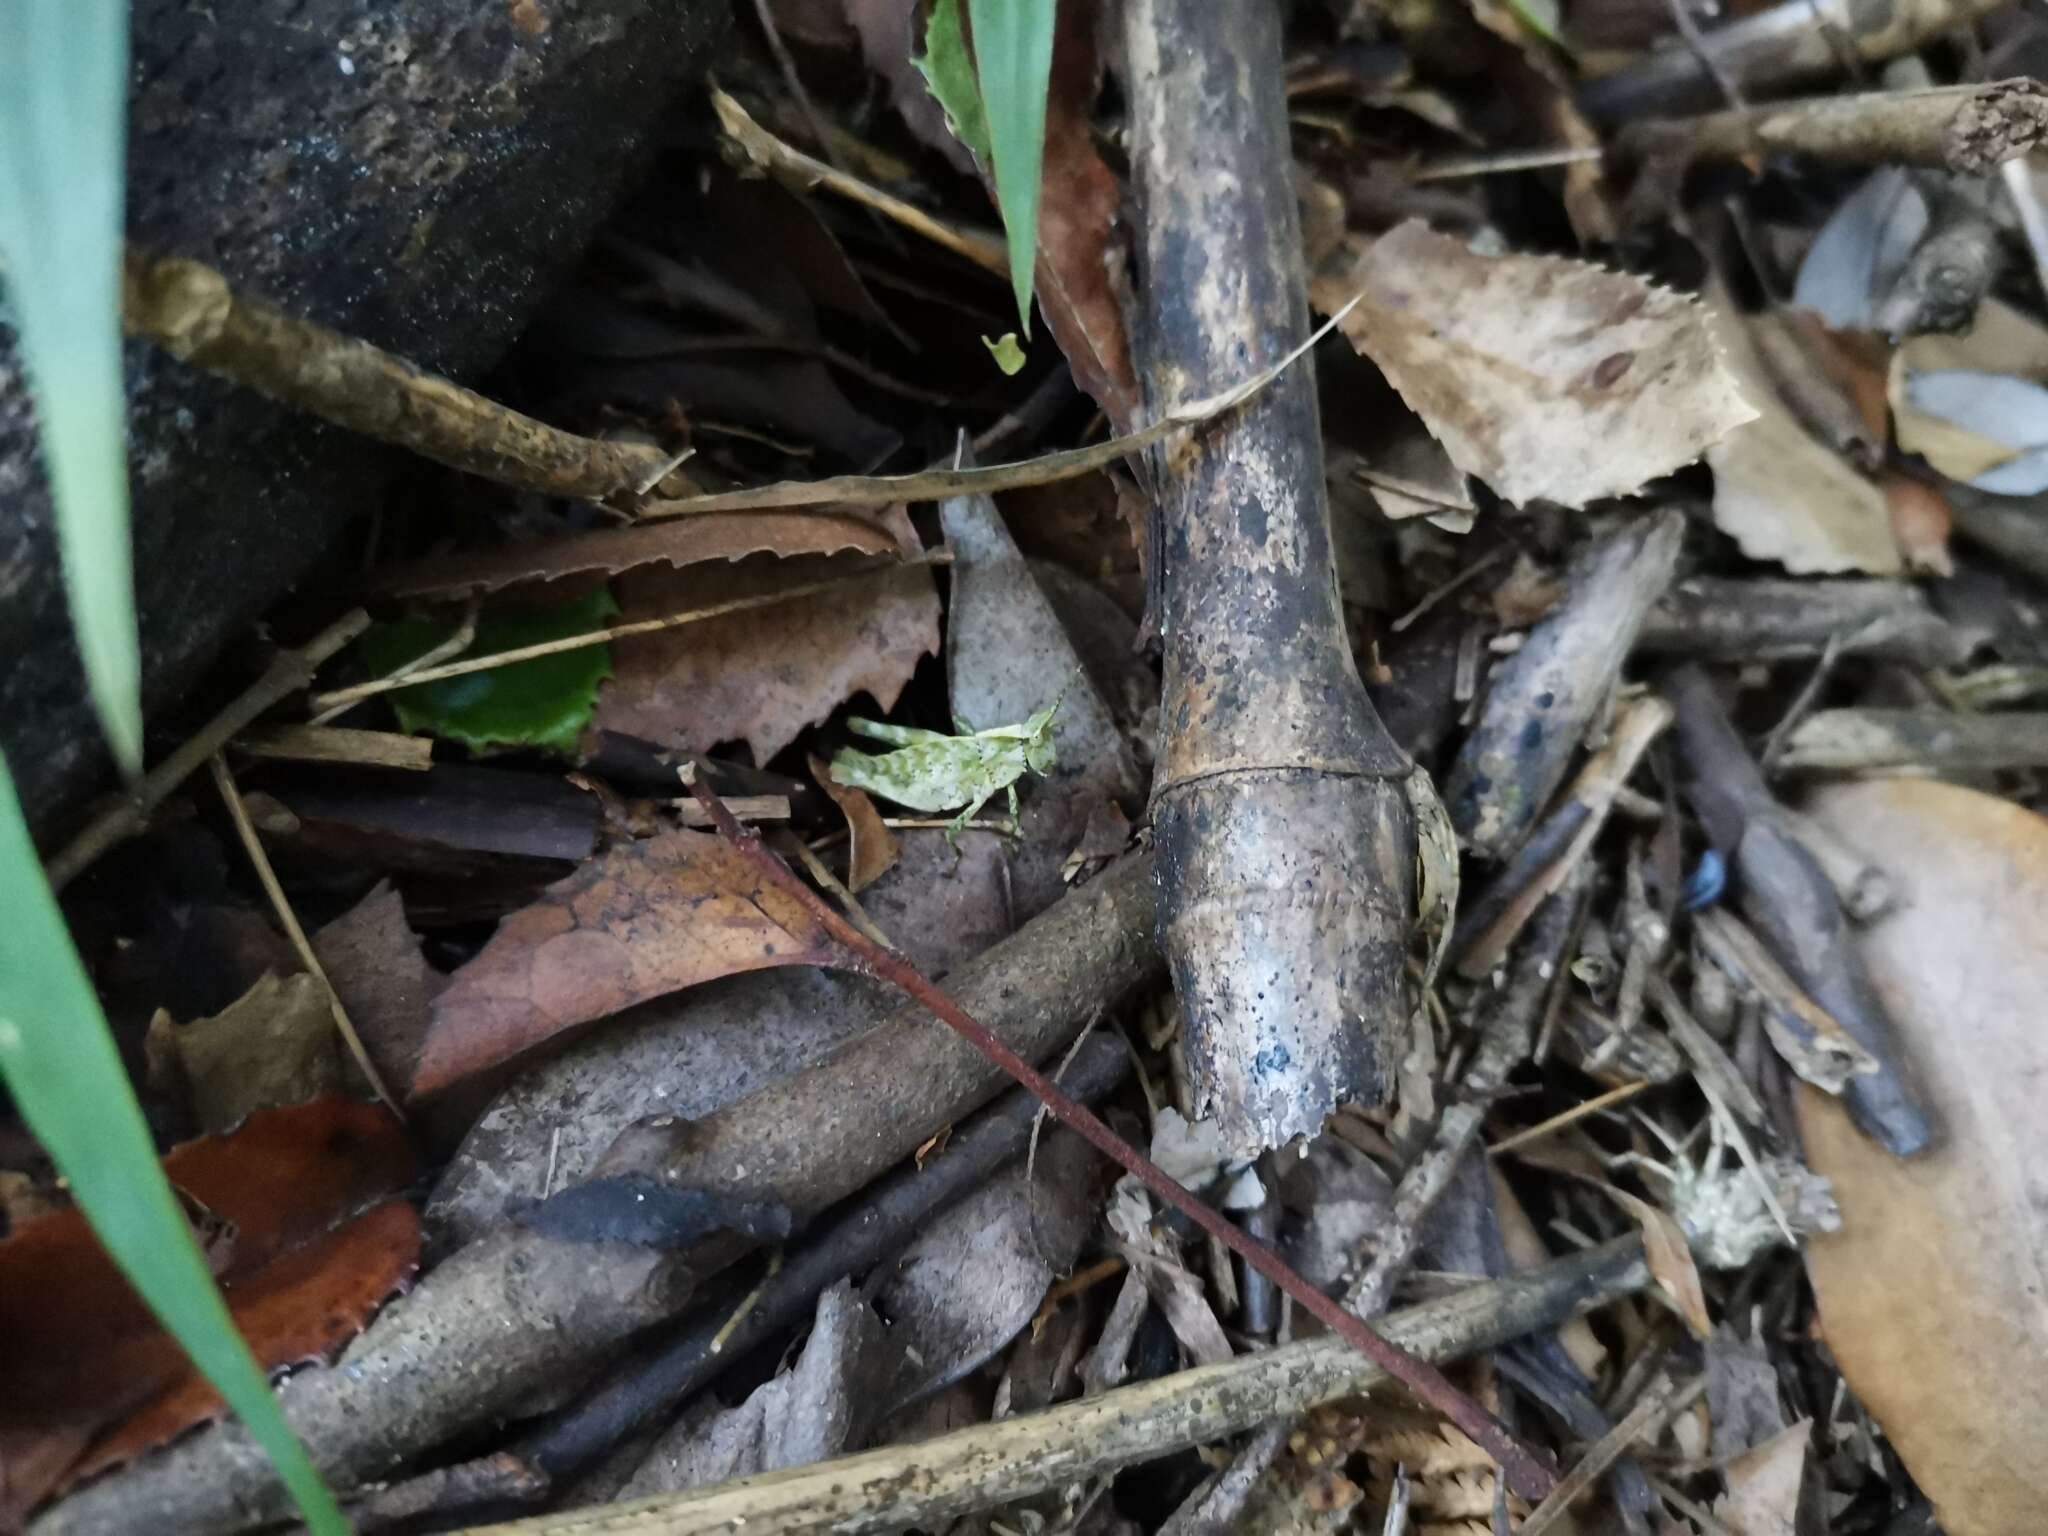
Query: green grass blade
x,y
63,98
949,74
1013,56
59,1061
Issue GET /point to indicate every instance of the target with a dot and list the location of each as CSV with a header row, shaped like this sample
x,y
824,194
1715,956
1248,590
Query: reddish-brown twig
x,y
1525,1472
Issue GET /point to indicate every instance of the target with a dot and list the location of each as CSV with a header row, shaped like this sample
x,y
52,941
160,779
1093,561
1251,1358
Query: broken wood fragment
x,y
1286,845
1719,618
1782,890
1938,741
1542,700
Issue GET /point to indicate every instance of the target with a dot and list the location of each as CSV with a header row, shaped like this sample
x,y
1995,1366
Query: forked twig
x,y
1525,1473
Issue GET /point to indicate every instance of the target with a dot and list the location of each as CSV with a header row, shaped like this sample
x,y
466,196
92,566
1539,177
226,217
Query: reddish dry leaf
x,y
83,1353
676,541
1080,262
762,675
636,923
872,849
1921,521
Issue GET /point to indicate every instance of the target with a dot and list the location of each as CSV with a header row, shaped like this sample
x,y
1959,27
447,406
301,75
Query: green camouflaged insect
x,y
931,771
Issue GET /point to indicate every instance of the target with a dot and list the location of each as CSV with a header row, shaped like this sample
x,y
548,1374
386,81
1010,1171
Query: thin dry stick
x,y
761,148
253,846
1524,1472
855,912
188,309
943,484
1494,165
447,650
288,672
1609,1449
1572,1116
411,677
336,744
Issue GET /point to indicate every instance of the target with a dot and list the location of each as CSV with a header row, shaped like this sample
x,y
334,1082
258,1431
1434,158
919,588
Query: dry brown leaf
x,y
642,920
1549,379
1934,1295
1921,522
1783,496
762,675
1670,1260
675,542
1765,1484
274,1045
872,847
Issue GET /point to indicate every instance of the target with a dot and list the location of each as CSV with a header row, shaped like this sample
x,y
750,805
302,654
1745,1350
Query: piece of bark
x,y
978,1468
1784,893
1541,701
1936,740
516,1313
1720,618
1287,848
1774,48
416,172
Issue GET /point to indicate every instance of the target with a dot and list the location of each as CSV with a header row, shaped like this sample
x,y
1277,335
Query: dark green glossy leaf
x,y
546,702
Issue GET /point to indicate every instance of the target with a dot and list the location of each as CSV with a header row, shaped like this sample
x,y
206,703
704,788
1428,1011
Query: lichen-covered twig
x,y
926,1484
1720,618
1287,846
1970,129
188,309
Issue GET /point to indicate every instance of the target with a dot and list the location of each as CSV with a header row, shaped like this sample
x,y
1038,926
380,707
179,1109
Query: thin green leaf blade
x,y
1013,57
59,1061
63,83
546,702
949,74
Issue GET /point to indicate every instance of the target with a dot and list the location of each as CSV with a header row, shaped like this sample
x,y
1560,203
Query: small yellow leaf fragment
x,y
1007,352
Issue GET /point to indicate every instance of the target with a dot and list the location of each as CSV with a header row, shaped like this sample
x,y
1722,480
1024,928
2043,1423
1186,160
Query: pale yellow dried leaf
x,y
1783,496
1763,1484
1934,1294
1549,379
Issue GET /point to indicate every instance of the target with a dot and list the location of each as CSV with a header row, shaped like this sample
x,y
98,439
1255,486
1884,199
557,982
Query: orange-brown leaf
x,y
1670,1260
635,923
872,847
83,1355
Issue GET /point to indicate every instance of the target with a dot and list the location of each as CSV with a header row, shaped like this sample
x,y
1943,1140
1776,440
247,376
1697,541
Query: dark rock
x,y
416,172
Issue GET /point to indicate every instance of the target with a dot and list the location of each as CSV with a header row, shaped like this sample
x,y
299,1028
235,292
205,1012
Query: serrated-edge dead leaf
x,y
1549,379
676,542
635,923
